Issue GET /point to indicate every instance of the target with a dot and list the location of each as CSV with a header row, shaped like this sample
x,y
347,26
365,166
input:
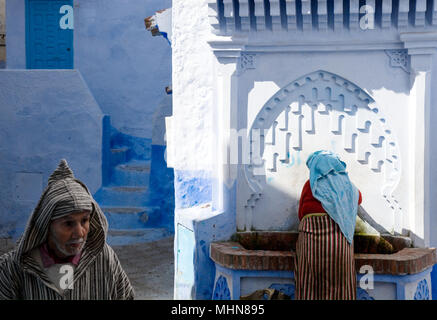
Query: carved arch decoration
x,y
352,114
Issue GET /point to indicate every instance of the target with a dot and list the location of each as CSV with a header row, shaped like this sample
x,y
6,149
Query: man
x,y
63,252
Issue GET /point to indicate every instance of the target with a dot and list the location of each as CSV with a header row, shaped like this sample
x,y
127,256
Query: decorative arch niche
x,y
320,110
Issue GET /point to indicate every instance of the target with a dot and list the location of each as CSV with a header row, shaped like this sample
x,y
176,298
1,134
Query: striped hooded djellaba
x,y
98,275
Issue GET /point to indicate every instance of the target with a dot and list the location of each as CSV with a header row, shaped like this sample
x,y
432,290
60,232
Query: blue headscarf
x,y
330,185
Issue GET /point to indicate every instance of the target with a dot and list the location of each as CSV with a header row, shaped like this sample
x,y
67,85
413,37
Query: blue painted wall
x,y
16,31
46,116
193,190
161,187
126,71
125,67
434,282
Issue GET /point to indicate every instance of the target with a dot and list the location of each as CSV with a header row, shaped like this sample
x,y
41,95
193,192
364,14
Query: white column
x,y
338,14
244,15
306,15
404,8
275,13
260,15
290,6
419,20
386,14
322,12
354,14
434,13
213,16
229,16
225,119
421,47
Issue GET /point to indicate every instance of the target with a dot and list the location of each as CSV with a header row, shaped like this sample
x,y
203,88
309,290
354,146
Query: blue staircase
x,y
124,195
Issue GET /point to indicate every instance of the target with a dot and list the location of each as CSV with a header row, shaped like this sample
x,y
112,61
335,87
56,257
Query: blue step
x,y
122,237
123,196
132,217
133,173
119,155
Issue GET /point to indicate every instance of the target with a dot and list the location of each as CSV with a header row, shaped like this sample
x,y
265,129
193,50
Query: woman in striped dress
x,y
325,266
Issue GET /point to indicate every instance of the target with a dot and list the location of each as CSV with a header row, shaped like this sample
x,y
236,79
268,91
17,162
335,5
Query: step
x,y
132,217
120,196
118,155
134,173
120,237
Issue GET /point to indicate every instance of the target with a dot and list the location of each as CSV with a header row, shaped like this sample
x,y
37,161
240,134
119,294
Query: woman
x,y
325,266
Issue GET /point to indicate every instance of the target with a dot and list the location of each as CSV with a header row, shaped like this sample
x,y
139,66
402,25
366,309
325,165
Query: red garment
x,y
308,204
49,258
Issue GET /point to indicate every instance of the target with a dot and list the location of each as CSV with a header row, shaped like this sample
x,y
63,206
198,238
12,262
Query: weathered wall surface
x,y
125,68
16,29
46,116
192,119
190,152
2,34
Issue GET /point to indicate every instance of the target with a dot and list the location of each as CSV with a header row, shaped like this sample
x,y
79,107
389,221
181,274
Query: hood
x,y
63,195
330,184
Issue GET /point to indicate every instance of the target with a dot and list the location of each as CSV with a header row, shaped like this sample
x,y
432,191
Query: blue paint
x,y
112,52
208,226
238,274
106,150
46,116
400,281
184,278
434,282
137,191
162,193
216,228
292,161
298,158
48,46
16,39
221,290
192,188
422,291
363,294
285,288
125,67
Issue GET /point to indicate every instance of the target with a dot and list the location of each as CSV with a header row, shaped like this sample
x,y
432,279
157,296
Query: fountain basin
x,y
263,259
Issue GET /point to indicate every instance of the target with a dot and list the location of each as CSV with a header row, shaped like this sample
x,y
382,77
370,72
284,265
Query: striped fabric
x,y
98,275
324,265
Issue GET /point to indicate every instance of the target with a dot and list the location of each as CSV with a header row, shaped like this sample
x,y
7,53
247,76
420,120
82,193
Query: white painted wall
x,y
219,91
192,120
283,182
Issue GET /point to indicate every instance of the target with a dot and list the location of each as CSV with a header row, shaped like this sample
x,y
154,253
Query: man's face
x,y
67,235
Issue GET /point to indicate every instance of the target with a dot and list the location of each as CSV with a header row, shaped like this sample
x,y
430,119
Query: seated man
x,y
63,252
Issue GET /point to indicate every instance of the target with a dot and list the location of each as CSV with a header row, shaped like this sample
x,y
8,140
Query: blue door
x,y
49,34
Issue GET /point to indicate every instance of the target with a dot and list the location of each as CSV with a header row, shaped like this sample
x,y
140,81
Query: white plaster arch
x,y
318,110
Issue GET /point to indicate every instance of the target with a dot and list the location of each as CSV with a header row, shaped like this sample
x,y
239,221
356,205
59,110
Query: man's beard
x,y
63,249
